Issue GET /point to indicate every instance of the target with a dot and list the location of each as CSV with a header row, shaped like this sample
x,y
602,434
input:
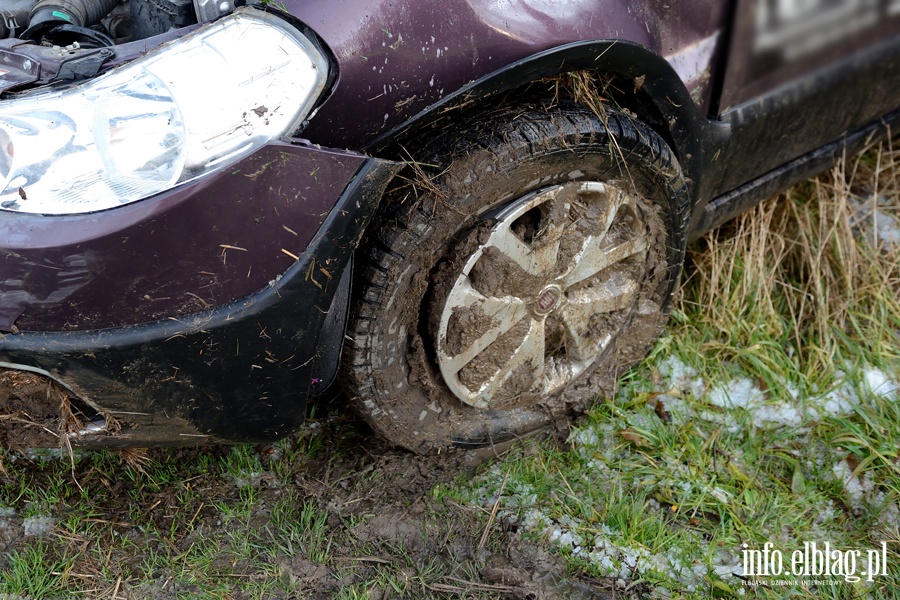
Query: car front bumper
x,y
206,314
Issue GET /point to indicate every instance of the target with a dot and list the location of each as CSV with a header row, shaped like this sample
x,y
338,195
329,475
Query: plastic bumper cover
x,y
240,372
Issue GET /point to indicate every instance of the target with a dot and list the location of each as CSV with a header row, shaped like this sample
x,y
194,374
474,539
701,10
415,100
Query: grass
x,y
35,572
298,527
768,412
208,523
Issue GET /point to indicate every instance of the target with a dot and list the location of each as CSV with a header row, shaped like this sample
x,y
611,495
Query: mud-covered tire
x,y
448,248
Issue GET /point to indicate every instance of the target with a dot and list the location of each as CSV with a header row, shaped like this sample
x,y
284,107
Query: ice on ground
x,y
842,400
587,437
603,546
844,397
890,513
742,393
826,513
680,411
888,230
36,526
597,438
688,565
681,376
884,226
872,220
860,493
878,383
780,414
739,393
856,489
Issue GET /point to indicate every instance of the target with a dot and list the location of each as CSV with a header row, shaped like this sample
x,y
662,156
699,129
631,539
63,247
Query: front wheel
x,y
514,286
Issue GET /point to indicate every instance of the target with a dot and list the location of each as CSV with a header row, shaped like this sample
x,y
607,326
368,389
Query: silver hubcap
x,y
537,303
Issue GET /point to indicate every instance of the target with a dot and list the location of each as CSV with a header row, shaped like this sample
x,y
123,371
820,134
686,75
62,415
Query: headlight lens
x,y
190,108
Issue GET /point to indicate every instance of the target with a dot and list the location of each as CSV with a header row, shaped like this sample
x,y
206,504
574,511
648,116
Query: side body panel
x,y
799,74
397,58
736,123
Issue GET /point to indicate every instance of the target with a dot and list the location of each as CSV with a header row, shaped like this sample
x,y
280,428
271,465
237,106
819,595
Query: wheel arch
x,y
660,98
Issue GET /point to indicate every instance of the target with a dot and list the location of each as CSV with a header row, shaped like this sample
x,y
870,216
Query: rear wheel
x,y
513,287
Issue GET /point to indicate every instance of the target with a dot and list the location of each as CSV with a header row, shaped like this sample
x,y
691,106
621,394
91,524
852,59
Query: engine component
x,y
153,17
77,37
14,17
210,10
48,14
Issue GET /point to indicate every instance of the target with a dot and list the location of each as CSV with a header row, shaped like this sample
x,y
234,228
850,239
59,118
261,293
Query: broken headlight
x,y
187,109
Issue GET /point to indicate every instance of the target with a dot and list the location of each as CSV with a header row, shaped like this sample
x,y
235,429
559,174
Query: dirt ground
x,y
133,525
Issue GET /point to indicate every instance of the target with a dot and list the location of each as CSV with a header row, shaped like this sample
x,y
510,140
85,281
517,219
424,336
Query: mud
x,y
384,500
466,325
486,364
496,275
35,412
384,518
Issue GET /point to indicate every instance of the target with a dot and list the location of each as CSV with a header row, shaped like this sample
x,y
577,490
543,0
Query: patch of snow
x,y
534,520
826,516
678,409
873,221
780,414
588,441
842,400
676,372
888,230
681,376
739,393
744,394
689,567
255,479
586,437
37,526
878,383
890,514
6,516
856,489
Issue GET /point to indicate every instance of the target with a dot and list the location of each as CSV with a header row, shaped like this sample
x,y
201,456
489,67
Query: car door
x,y
801,73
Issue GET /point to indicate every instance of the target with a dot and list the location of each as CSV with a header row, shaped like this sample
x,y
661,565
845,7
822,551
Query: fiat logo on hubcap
x,y
548,299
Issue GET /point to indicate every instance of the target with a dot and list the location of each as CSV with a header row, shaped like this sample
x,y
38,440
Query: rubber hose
x,y
14,16
82,13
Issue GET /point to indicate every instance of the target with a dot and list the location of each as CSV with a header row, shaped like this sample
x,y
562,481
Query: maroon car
x,y
473,213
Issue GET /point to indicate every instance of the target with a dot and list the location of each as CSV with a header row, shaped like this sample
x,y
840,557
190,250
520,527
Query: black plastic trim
x,y
696,138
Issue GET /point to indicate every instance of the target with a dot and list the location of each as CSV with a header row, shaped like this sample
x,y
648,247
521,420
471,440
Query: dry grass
x,y
586,88
806,268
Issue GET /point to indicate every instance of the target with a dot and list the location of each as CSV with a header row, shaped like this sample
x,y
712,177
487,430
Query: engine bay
x,y
47,41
